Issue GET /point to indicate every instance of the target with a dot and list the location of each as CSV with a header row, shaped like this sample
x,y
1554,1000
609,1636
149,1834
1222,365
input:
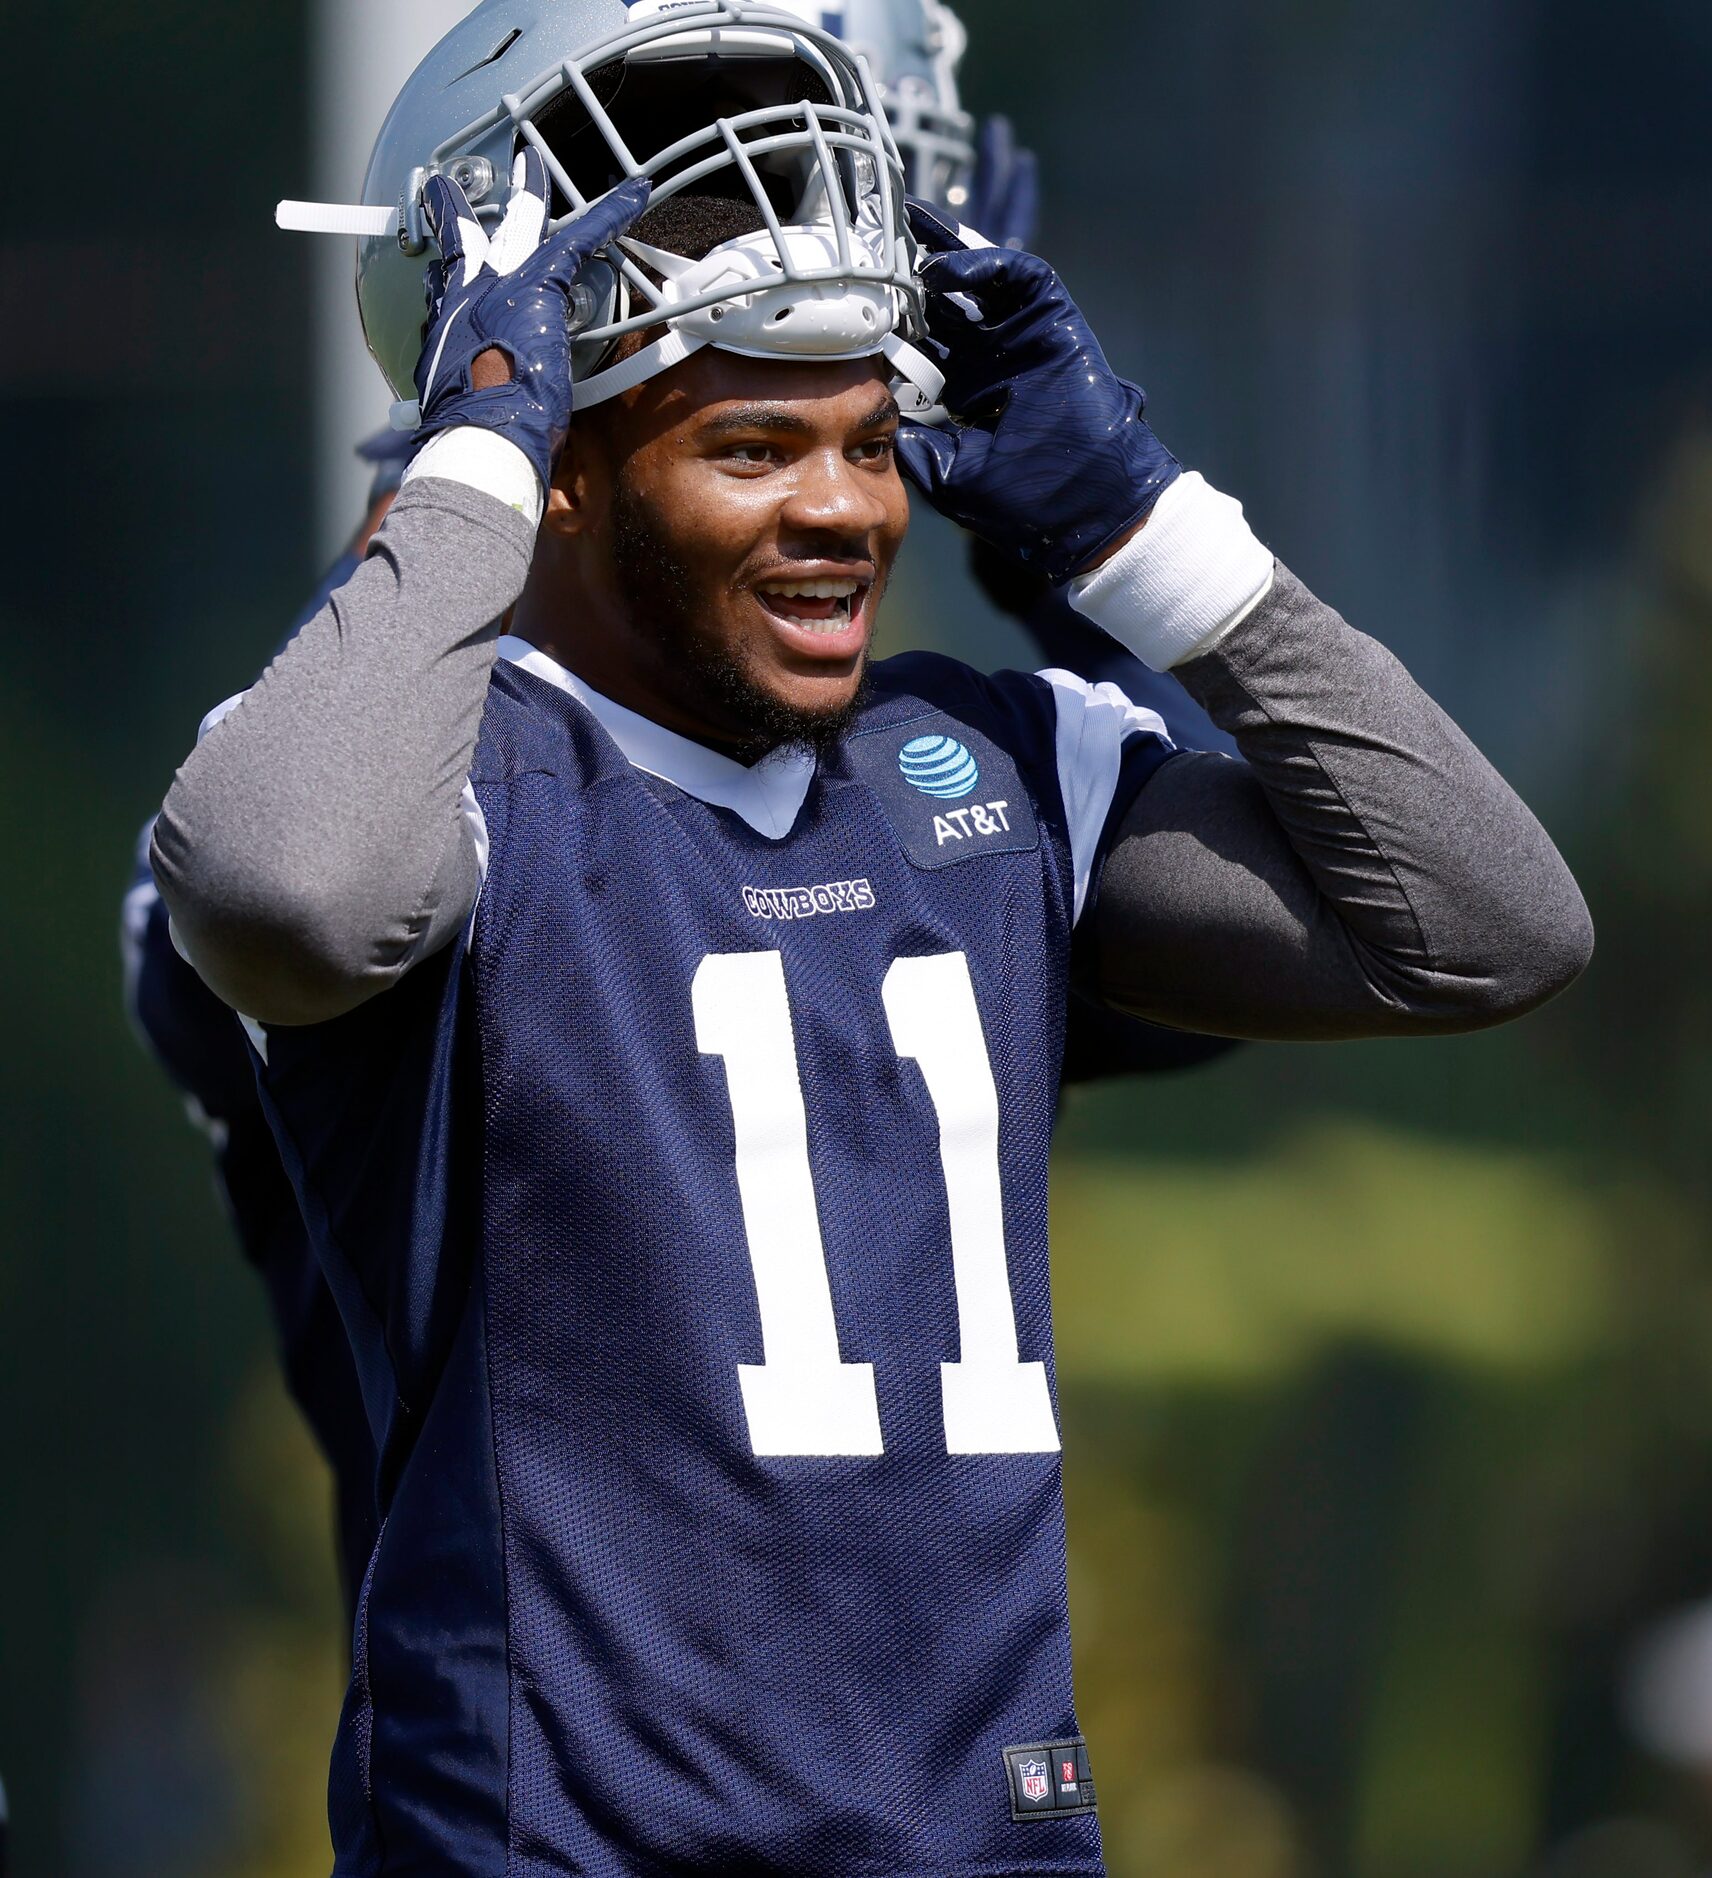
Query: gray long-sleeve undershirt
x,y
1363,872
312,847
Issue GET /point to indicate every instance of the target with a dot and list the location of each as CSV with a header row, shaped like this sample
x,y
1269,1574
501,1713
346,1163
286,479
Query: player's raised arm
x,y
312,847
1364,870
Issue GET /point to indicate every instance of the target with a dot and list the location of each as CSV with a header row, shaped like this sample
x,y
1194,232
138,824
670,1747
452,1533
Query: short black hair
x,y
694,225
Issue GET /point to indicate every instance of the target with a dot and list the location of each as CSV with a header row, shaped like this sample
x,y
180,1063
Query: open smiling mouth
x,y
814,606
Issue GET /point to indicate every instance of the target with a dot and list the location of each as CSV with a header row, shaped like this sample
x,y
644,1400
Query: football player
x,y
659,1008
914,48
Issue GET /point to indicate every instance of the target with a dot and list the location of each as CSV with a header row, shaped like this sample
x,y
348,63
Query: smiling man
x,y
715,559
659,1006
913,49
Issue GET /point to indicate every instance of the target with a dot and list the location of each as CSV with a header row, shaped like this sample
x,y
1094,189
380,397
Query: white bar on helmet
x,y
335,218
905,360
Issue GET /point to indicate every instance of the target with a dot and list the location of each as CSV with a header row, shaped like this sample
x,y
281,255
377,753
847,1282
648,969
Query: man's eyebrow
x,y
773,417
885,412
780,417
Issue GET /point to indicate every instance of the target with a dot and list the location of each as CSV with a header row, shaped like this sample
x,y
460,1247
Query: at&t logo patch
x,y
950,794
940,767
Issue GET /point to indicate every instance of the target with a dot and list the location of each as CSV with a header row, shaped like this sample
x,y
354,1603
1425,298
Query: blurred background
x,y
1386,1371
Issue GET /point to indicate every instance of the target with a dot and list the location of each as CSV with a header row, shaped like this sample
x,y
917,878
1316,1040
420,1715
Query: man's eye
x,y
875,450
752,453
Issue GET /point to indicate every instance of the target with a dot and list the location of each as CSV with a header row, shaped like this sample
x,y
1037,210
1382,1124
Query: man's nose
x,y
830,494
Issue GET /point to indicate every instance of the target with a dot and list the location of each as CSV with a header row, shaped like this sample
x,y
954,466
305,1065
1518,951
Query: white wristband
x,y
1184,581
484,460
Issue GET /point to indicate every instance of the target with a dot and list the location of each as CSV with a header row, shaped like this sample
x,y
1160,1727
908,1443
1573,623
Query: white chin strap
x,y
766,310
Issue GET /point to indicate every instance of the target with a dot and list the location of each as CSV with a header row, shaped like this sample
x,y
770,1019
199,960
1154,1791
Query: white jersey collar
x,y
768,795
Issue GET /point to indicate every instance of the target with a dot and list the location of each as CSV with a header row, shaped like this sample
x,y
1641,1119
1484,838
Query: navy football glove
x,y
1047,455
515,293
1004,195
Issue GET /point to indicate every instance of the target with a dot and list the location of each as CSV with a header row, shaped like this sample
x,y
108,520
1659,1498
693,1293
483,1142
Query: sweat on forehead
x,y
786,418
716,393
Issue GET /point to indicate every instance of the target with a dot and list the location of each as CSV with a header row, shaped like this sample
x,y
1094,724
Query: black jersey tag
x,y
1049,1779
950,793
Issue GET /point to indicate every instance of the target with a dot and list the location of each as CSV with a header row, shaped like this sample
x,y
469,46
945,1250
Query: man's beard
x,y
664,608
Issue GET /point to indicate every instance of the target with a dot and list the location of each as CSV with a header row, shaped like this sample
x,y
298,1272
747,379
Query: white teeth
x,y
812,589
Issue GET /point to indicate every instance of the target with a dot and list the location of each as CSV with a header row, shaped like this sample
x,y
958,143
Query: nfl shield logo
x,y
1035,1785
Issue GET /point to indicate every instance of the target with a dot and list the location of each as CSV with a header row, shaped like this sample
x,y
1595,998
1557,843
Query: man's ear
x,y
581,491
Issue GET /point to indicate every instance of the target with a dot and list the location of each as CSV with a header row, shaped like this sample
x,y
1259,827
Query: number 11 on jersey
x,y
804,1399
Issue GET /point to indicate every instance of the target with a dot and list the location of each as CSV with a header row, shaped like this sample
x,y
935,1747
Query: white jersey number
x,y
804,1399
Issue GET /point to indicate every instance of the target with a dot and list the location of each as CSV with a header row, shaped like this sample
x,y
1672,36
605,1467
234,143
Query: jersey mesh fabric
x,y
716,1660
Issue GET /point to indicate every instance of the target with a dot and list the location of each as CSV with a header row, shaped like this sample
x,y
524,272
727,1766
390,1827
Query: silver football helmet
x,y
914,49
746,99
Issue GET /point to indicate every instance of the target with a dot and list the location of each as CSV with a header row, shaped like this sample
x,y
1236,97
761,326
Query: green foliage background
x,y
1385,1376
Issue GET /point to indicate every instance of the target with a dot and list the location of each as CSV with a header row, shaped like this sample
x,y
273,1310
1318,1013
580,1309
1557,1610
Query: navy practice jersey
x,y
689,1223
198,1042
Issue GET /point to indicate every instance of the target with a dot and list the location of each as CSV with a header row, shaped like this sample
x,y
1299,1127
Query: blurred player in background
x,y
194,1038
914,49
